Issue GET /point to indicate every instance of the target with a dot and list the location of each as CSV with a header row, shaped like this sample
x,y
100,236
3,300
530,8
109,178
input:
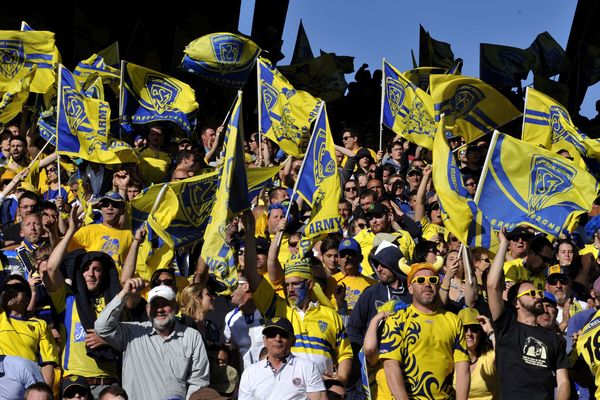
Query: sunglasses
x,y
344,138
51,170
375,215
273,334
350,189
113,204
473,328
433,280
166,282
532,292
555,281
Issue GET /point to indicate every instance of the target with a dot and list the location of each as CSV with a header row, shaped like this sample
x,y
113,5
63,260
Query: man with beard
x,y
531,360
423,345
173,356
558,283
538,257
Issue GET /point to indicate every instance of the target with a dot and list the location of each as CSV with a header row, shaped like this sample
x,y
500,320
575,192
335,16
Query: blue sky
x,y
371,30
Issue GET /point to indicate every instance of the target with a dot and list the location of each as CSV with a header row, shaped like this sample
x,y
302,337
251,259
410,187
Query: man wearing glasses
x,y
558,284
281,375
108,236
531,360
539,256
423,345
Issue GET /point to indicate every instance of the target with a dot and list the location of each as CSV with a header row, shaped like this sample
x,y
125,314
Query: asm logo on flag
x,y
557,115
228,52
419,120
549,176
270,97
464,100
323,164
163,92
11,57
396,94
75,110
195,200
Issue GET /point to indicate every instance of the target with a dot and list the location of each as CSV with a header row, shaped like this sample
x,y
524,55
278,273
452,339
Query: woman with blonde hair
x,y
197,302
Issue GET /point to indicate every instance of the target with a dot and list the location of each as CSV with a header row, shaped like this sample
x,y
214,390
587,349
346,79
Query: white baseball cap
x,y
161,291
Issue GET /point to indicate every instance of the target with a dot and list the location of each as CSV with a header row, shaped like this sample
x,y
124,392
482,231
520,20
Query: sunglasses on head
x,y
556,280
531,292
433,280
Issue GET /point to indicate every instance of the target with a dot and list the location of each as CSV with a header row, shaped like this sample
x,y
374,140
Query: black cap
x,y
519,231
376,208
73,380
364,152
262,245
278,324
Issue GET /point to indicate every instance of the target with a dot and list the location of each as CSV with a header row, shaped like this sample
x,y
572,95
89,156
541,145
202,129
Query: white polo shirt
x,y
245,331
294,380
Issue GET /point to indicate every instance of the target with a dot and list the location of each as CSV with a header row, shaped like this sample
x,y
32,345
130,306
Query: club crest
x,y
558,119
270,95
549,176
323,165
11,57
195,200
75,111
323,326
228,51
162,92
464,100
395,94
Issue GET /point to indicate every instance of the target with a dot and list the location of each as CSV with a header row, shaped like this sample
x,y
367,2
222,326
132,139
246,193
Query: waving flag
x,y
525,184
550,58
433,53
231,198
20,50
503,65
223,58
149,96
474,107
96,65
407,110
460,214
16,96
285,114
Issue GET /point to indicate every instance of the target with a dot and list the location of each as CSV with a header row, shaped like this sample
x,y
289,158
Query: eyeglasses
x,y
556,281
473,328
273,334
113,204
344,138
51,170
532,292
350,189
433,280
375,216
167,282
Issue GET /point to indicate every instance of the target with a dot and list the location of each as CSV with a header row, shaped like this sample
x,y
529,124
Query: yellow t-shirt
x,y
27,338
427,346
355,285
100,237
515,271
430,230
365,240
75,360
588,346
320,334
484,378
153,166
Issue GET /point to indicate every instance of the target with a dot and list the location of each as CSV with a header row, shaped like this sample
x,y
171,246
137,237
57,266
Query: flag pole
x,y
382,100
486,165
122,88
58,104
524,110
295,189
58,172
258,107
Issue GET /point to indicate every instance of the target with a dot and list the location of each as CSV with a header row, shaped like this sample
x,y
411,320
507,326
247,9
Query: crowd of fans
x,y
391,306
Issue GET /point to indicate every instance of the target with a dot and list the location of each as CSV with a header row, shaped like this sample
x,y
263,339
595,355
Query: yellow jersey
x,y
588,346
100,237
153,166
515,271
427,345
406,244
28,338
430,230
355,285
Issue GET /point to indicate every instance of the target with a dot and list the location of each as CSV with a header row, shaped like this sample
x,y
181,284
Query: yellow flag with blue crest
x,y
16,96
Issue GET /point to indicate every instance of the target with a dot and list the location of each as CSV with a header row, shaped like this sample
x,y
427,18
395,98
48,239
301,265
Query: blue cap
x,y
549,297
349,244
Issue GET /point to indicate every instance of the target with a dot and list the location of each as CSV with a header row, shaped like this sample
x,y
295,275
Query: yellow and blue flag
x,y
319,181
149,96
231,199
420,76
82,125
474,107
21,50
555,89
224,58
96,65
259,178
503,65
16,96
110,54
547,123
407,110
25,26
525,184
549,57
47,127
460,214
285,114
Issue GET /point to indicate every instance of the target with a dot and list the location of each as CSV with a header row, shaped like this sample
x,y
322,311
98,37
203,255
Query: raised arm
x,y
52,277
130,262
421,192
48,160
14,182
254,278
273,265
495,280
470,287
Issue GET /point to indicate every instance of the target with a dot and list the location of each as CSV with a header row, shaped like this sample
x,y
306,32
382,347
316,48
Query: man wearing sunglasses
x,y
558,283
539,256
422,345
108,236
281,375
531,360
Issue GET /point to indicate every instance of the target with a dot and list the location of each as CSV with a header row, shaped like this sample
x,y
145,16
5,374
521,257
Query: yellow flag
x,y
285,114
21,50
407,110
474,107
16,96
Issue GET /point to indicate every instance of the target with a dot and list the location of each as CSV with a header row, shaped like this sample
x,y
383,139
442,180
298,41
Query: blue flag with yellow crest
x,y
319,181
16,96
407,110
21,50
474,107
82,125
285,114
231,198
460,214
224,58
548,123
149,96
525,184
